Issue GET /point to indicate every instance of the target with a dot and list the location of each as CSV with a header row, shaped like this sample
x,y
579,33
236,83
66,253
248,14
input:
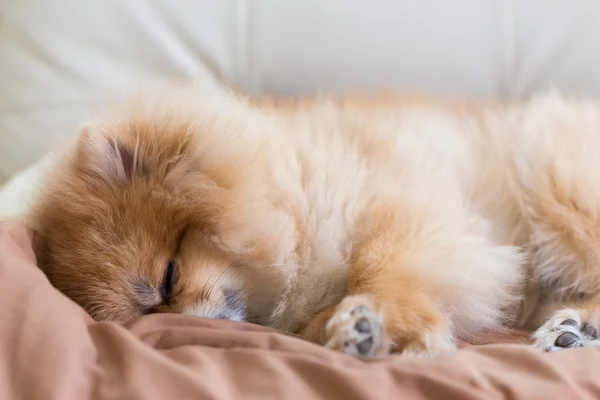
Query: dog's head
x,y
126,226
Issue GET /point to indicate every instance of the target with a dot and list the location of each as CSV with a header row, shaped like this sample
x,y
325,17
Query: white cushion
x,y
60,59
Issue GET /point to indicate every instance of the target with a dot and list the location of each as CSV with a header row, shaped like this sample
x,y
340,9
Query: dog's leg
x,y
417,274
387,288
558,166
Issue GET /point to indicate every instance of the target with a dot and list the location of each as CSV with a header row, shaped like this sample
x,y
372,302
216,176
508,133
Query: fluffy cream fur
x,y
433,219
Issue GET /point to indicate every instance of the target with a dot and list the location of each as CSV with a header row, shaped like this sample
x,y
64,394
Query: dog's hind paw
x,y
565,329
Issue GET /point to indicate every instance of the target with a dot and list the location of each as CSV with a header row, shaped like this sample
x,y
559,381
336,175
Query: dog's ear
x,y
103,156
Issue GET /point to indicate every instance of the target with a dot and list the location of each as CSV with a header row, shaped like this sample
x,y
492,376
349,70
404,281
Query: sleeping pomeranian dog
x,y
366,224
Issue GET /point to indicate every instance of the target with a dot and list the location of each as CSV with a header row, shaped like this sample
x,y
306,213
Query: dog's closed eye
x,y
166,287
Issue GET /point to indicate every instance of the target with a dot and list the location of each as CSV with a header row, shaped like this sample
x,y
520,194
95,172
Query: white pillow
x,y
17,193
60,59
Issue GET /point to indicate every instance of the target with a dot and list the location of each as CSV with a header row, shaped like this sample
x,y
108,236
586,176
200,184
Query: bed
x,y
58,64
51,349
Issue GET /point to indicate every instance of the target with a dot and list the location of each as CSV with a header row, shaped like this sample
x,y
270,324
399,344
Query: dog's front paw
x,y
565,329
357,329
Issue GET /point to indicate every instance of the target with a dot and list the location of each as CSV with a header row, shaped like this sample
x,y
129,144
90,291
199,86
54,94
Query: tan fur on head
x,y
436,213
140,191
113,217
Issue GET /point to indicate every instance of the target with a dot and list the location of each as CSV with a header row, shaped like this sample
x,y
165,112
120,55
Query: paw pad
x,y
589,331
363,326
571,339
568,339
